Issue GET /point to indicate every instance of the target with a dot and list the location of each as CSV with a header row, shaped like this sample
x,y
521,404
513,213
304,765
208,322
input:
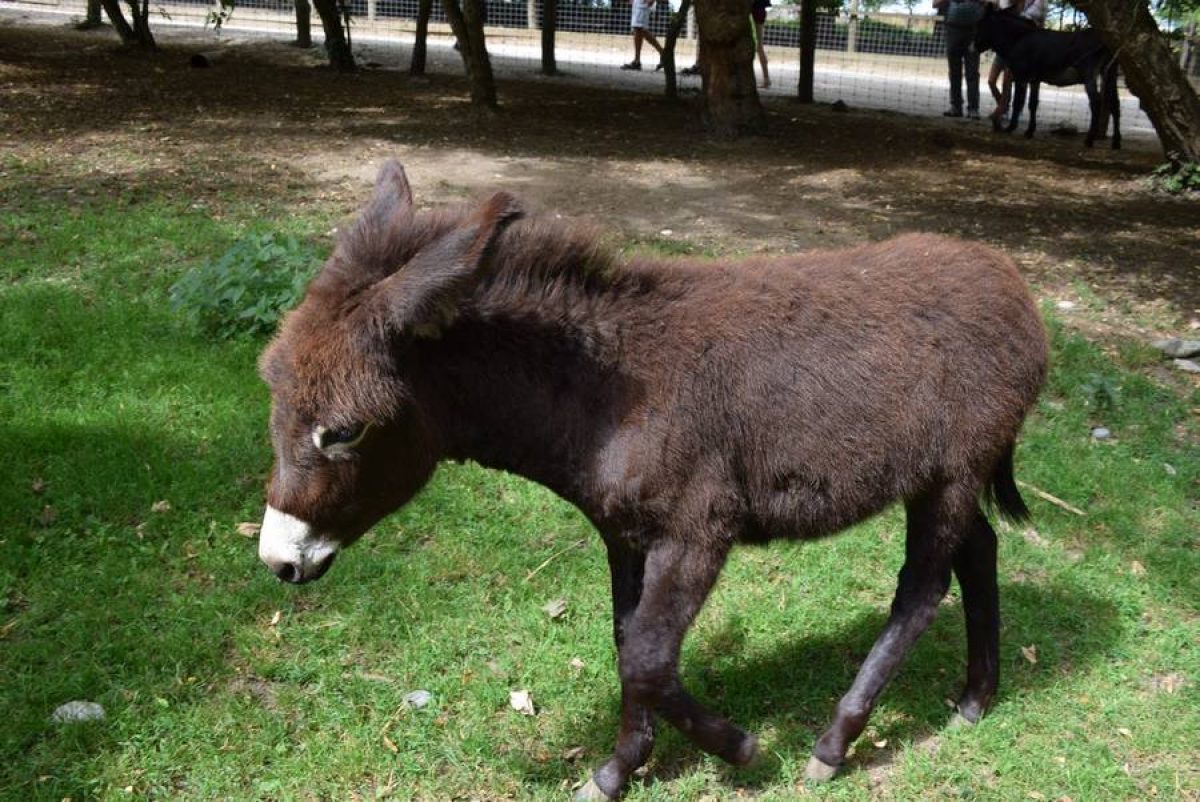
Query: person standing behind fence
x,y
758,13
959,26
639,22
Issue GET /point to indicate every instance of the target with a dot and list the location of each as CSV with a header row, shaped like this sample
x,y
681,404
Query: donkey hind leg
x,y
975,567
1096,105
1113,102
636,738
1034,90
937,521
677,581
1020,88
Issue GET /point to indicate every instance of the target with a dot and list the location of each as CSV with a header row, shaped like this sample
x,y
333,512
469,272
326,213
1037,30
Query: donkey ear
x,y
422,298
391,187
366,250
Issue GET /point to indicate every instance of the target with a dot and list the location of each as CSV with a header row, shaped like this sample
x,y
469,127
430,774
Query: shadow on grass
x,y
790,691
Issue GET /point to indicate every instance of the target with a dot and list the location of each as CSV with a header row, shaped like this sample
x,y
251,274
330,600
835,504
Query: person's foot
x,y
633,65
972,114
692,70
952,113
660,66
766,84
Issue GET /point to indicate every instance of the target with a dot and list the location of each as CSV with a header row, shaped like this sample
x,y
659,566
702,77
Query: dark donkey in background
x,y
683,406
1061,58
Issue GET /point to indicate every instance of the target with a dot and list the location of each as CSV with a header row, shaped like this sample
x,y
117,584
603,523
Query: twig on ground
x,y
1055,500
554,557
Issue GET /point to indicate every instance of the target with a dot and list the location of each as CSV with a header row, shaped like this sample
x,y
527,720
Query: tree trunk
x,y
92,19
142,36
1151,71
336,47
731,104
549,28
115,15
424,12
467,24
808,49
668,56
303,23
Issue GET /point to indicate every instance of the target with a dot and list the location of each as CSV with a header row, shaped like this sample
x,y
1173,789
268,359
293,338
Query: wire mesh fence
x,y
892,62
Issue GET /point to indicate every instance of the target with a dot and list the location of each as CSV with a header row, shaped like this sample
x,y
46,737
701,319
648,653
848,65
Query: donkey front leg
x,y
1034,90
1020,89
676,582
636,737
924,579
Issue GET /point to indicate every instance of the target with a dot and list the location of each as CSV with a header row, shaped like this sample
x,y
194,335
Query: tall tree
x,y
92,18
139,32
303,23
731,104
549,29
337,45
668,54
420,41
467,23
808,50
1151,71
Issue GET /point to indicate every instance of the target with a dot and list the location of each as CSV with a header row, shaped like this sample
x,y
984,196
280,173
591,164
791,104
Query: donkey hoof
x,y
592,793
818,771
747,754
958,720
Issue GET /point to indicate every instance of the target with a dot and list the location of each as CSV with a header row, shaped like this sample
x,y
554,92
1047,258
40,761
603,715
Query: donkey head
x,y
352,438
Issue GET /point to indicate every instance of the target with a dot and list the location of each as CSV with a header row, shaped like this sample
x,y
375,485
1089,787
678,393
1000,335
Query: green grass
x,y
221,683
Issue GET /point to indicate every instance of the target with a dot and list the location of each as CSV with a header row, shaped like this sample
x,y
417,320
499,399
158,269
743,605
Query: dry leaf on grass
x,y
161,506
1030,654
248,529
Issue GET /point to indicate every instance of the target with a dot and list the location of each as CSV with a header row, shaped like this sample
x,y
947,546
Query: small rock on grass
x,y
72,712
1178,348
1188,365
417,699
522,702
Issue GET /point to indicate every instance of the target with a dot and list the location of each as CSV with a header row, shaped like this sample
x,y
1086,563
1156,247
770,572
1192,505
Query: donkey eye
x,y
341,438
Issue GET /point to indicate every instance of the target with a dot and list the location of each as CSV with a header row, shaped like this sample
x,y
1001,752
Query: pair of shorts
x,y
639,14
759,15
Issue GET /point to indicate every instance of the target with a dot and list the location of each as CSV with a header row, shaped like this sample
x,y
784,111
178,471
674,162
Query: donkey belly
x,y
1066,77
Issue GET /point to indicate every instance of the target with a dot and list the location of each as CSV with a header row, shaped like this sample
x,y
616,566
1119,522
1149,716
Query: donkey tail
x,y
1002,493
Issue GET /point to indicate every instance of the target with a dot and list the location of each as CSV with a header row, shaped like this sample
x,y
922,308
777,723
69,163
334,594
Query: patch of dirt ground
x,y
271,122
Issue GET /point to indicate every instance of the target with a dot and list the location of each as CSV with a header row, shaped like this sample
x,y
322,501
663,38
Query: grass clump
x,y
245,291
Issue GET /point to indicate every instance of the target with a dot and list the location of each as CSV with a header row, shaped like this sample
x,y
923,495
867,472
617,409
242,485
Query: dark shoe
x,y
952,113
633,65
660,66
972,114
692,70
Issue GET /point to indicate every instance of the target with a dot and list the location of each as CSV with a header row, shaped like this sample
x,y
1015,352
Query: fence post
x,y
531,14
852,28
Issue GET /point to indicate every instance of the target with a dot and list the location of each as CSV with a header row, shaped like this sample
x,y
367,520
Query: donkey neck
x,y
533,382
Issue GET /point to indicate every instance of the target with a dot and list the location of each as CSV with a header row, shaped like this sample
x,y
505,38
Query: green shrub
x,y
1177,176
246,291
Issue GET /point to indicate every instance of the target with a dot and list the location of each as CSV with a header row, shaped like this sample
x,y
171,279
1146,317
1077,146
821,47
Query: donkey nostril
x,y
288,572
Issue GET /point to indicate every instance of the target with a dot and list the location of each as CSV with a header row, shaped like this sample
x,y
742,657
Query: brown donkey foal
x,y
683,406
